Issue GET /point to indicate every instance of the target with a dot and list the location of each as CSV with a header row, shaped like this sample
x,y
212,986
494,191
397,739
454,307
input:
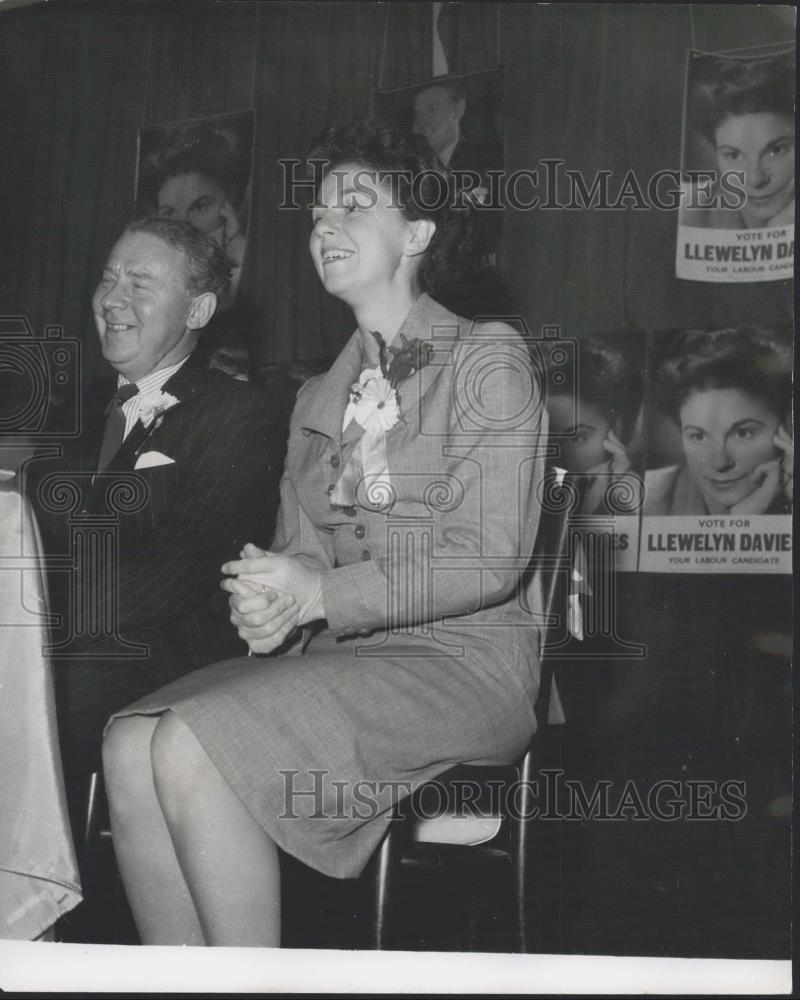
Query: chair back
x,y
550,570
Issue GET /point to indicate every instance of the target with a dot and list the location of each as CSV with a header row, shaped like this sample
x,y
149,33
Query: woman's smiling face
x,y
360,234
727,434
761,146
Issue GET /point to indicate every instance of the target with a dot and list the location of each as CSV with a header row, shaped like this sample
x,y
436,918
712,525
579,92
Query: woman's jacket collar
x,y
322,409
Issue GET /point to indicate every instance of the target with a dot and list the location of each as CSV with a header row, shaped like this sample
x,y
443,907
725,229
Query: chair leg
x,y
92,805
519,825
385,921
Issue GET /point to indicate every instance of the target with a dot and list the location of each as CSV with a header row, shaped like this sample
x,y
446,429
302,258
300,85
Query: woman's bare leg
x,y
157,892
230,864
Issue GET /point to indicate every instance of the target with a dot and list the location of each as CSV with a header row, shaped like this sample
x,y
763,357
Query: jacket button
x,y
366,555
359,531
335,461
306,432
330,489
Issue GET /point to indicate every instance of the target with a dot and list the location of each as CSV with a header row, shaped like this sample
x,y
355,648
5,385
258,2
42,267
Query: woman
x,y
729,393
745,111
396,578
593,413
199,174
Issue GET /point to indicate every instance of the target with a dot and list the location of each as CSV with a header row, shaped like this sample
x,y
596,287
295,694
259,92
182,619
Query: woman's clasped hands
x,y
271,595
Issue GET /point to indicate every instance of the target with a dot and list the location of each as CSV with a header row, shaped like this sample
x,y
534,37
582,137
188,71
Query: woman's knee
x,y
181,768
126,757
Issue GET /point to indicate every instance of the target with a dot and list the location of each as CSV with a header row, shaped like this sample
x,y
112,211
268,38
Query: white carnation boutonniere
x,y
374,398
374,404
374,401
153,408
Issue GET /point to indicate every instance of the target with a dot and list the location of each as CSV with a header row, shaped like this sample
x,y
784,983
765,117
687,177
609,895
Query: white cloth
x,y
39,879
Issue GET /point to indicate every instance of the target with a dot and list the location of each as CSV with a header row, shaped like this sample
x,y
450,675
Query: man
x,y
438,114
170,482
438,111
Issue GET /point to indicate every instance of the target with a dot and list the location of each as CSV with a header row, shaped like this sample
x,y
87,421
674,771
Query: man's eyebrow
x,y
141,273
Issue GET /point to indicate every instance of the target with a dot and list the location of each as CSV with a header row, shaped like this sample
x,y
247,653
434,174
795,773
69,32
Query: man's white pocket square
x,y
150,459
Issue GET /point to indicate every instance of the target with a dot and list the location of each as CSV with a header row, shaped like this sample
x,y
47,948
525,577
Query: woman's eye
x,y
744,433
694,435
780,149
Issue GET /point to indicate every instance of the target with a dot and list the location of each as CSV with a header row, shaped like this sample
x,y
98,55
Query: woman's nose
x,y
325,225
720,458
756,174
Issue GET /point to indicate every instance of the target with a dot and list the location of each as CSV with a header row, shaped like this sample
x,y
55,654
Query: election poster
x,y
719,452
594,403
736,222
460,118
200,171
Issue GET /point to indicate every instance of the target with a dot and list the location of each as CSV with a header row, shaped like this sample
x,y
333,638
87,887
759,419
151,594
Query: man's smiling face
x,y
142,307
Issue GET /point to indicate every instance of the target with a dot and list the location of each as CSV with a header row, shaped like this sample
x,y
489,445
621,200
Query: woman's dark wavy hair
x,y
204,148
728,87
609,376
756,360
207,267
422,188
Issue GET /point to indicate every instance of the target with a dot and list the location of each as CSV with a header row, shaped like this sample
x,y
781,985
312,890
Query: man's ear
x,y
461,107
419,237
201,310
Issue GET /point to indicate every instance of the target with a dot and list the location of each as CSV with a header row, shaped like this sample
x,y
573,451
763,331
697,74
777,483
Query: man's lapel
x,y
184,385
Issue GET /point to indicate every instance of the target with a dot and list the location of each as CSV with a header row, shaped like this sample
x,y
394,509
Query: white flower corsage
x,y
153,408
374,401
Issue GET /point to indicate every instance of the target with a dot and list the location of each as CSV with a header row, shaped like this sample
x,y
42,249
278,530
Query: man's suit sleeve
x,y
230,491
480,547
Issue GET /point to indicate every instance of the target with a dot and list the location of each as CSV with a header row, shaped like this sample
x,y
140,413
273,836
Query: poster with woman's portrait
x,y
594,404
719,452
737,210
460,119
200,171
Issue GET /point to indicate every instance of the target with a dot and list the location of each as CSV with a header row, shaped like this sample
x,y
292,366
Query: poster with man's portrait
x,y
200,171
719,452
460,117
737,210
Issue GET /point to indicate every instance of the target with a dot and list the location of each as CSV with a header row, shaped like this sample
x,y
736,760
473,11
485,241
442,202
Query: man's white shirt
x,y
149,386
